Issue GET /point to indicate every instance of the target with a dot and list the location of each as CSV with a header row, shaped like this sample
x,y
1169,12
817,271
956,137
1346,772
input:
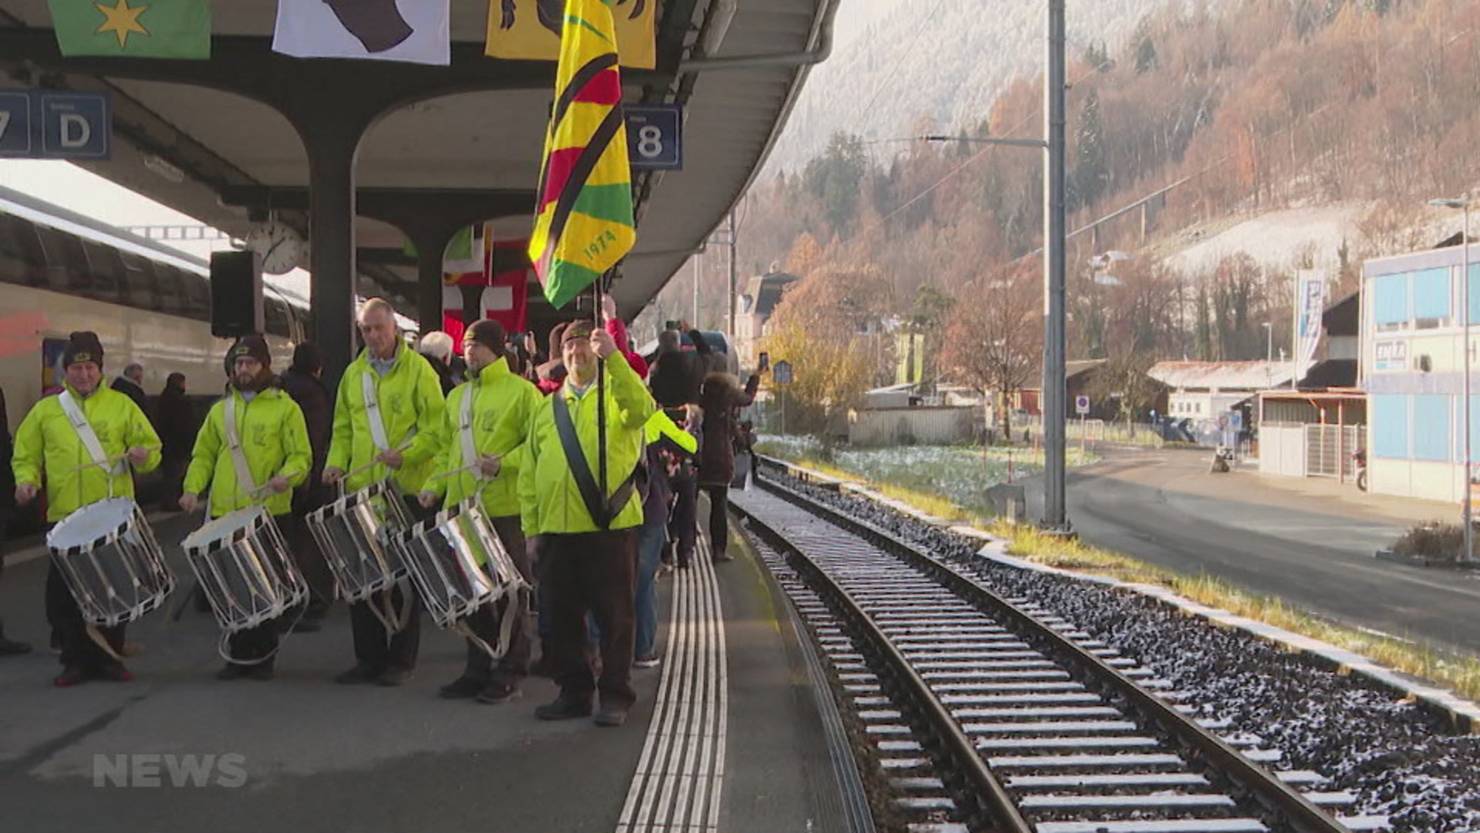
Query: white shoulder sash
x,y
84,430
244,478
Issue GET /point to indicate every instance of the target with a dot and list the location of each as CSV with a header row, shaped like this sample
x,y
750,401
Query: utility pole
x,y
1055,412
733,279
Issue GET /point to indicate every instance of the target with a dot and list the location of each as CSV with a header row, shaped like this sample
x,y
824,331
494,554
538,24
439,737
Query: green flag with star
x,y
133,28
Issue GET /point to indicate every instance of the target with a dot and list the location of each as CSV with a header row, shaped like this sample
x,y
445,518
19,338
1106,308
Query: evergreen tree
x,y
1090,174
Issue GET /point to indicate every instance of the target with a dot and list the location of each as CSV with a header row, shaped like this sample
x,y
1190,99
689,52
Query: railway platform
x,y
726,735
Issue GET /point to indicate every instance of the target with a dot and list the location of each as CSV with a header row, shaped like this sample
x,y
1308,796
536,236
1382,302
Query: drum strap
x,y
603,511
513,611
84,430
465,428
372,412
244,478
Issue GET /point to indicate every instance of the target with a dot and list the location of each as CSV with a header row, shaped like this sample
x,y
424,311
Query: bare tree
x,y
994,340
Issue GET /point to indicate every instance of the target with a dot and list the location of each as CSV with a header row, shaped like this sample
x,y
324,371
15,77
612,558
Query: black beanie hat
x,y
488,333
254,346
83,346
306,358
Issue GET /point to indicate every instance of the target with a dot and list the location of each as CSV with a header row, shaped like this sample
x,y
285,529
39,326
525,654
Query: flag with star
x,y
583,215
133,28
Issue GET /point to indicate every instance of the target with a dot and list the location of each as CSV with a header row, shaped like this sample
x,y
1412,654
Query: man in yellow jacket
x,y
252,450
589,549
387,417
50,448
483,436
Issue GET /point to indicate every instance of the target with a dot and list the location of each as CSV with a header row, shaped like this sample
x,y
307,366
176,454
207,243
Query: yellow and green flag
x,y
133,28
583,218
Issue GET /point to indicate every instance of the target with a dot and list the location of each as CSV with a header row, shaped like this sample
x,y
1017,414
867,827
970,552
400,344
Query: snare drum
x,y
458,563
107,554
245,568
354,535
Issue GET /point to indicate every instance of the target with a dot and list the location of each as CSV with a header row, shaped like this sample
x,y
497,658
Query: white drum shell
x,y
354,534
110,560
443,556
245,568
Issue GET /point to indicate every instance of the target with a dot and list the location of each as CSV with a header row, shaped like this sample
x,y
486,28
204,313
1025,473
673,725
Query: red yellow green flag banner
x,y
583,218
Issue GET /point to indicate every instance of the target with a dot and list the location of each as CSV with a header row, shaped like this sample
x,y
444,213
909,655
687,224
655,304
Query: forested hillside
x,y
1251,105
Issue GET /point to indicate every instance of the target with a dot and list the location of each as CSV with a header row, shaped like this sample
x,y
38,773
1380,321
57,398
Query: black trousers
x,y
65,618
306,552
373,650
486,622
683,521
719,518
593,572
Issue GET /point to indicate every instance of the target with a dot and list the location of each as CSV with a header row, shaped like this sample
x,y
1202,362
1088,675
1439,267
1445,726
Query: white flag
x,y
416,31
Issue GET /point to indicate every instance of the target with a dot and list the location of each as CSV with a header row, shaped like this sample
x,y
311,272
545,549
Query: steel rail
x,y
989,791
1280,799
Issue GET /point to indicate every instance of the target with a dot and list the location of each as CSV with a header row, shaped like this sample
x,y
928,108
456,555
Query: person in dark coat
x,y
436,348
131,384
303,382
175,422
721,398
8,647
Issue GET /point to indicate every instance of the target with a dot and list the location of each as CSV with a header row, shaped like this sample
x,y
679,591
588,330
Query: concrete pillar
x,y
331,229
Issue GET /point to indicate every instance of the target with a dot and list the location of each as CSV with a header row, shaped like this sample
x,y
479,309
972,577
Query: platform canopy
x,y
227,140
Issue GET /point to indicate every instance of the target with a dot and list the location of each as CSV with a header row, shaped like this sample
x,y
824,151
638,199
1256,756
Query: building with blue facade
x,y
1412,367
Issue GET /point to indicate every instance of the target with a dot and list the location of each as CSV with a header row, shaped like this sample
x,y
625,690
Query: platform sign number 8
x,y
655,137
650,141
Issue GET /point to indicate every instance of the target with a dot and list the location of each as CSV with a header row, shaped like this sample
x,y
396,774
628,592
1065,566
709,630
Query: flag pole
x,y
600,402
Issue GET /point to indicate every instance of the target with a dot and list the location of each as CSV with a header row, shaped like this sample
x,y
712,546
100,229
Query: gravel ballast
x,y
1397,758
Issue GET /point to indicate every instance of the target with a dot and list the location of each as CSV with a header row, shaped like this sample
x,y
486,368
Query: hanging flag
x,y
415,31
133,28
506,300
529,30
464,252
583,218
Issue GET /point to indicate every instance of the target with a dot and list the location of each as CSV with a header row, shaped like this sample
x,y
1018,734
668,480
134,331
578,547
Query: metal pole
x,y
1054,219
733,278
1465,277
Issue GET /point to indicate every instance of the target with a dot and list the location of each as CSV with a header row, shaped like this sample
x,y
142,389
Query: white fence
x,y
1307,450
909,426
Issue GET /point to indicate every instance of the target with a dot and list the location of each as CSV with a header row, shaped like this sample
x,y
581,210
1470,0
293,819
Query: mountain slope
x,y
907,66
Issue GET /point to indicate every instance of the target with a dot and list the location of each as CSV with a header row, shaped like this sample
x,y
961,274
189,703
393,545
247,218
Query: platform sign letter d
x,y
76,132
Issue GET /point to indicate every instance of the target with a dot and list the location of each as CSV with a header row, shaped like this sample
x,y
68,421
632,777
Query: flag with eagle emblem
x,y
583,217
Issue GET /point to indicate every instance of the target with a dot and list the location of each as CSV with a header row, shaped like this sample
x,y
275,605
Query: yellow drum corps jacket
x,y
549,497
409,397
502,405
47,449
274,443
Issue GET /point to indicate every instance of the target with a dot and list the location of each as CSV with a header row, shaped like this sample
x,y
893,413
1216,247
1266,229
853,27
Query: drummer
x,y
269,456
481,458
54,448
395,439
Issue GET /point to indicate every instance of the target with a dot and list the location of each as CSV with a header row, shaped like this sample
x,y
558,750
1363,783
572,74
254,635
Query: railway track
x,y
990,713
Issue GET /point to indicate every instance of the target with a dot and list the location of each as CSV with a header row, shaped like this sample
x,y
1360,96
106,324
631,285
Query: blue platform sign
x,y
52,124
655,137
15,124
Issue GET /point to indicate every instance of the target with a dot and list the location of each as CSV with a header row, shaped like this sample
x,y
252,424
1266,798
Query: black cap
x,y
488,333
253,346
83,346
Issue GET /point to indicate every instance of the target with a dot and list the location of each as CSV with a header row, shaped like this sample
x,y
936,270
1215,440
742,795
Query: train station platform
x,y
726,736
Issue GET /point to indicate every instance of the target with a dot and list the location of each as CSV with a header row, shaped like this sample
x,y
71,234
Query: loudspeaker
x,y
236,294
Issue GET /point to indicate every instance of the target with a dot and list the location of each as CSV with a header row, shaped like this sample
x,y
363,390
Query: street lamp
x,y
1463,202
1268,352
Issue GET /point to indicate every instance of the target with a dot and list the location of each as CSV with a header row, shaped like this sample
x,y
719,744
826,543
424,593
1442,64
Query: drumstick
x,y
110,462
405,444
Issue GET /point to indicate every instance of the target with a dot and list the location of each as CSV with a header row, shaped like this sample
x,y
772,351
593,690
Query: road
x,y
1310,542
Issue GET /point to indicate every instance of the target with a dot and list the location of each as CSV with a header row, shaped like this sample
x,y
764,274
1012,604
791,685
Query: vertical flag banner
x,y
529,30
133,28
583,222
464,253
1310,304
414,31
